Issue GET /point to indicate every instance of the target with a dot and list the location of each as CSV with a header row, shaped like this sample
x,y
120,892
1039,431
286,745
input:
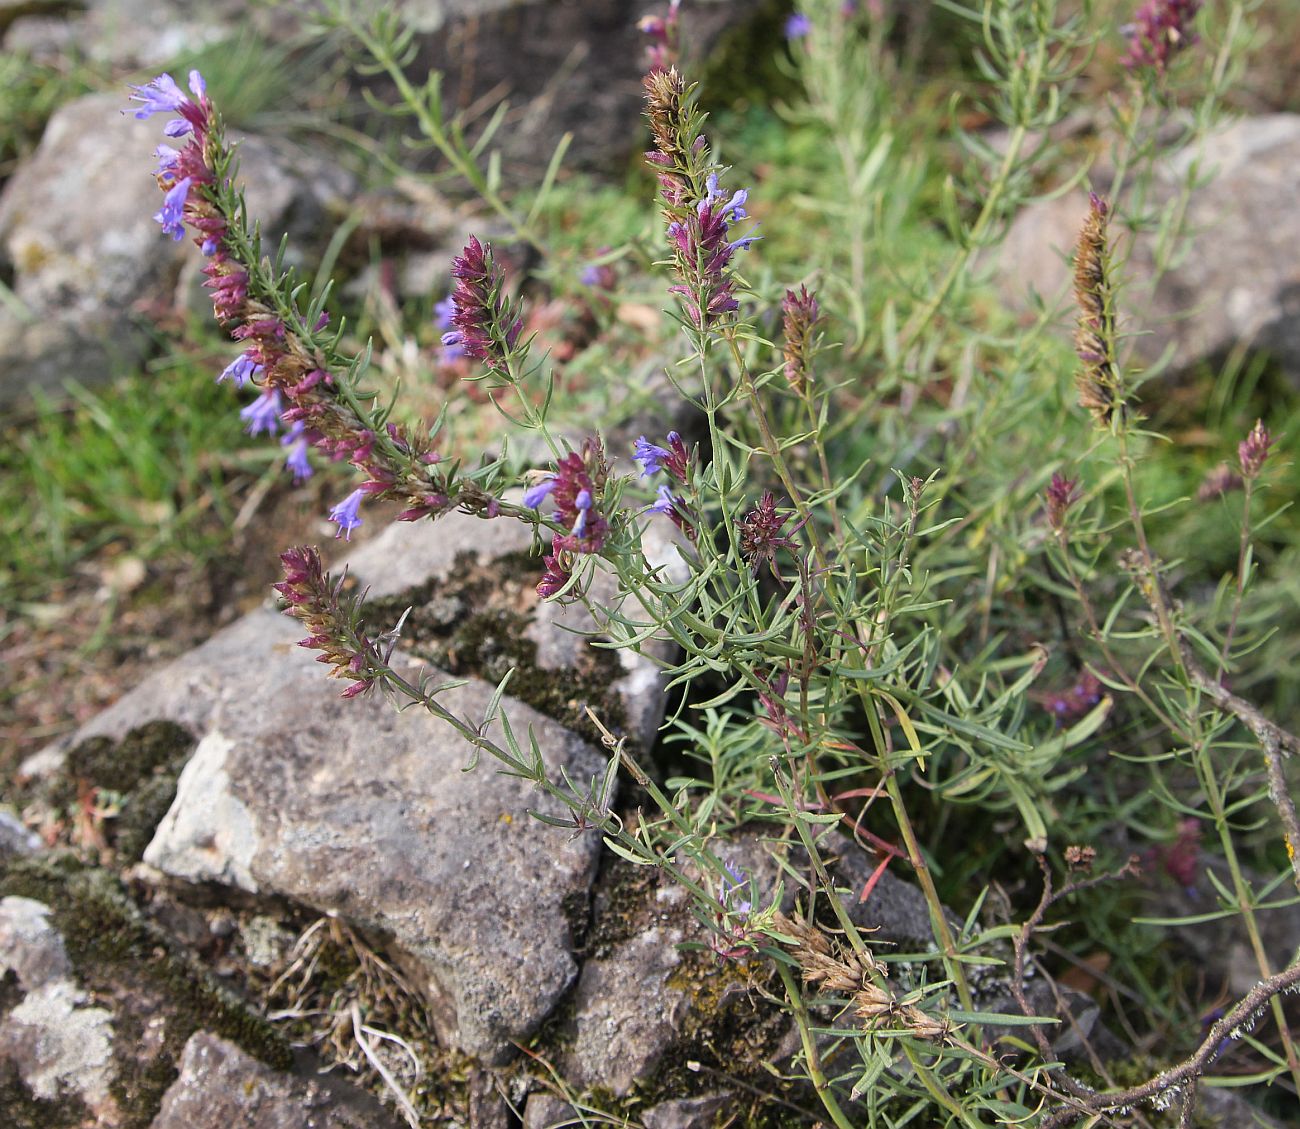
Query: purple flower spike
x,y
345,516
797,26
534,496
263,414
172,215
241,370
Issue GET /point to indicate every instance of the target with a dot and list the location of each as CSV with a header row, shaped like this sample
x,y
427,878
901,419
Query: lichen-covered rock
x,y
97,1002
1238,282
221,1086
61,1045
30,946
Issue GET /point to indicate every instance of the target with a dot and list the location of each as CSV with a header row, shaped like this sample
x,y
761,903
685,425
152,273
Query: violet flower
x,y
296,461
263,414
672,459
241,370
345,515
172,214
797,26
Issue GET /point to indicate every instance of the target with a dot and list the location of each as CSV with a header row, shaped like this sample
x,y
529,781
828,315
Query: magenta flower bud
x,y
1253,450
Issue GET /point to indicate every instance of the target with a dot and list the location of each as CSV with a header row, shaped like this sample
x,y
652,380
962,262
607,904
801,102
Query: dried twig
x,y
1241,1016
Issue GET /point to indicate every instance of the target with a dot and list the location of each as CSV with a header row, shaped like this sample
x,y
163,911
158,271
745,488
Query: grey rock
x,y
128,34
686,1113
546,1111
15,839
627,1012
408,555
356,809
221,1086
1238,284
60,1046
565,65
30,946
77,233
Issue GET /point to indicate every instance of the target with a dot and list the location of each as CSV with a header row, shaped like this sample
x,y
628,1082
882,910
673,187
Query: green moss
x,y
142,768
20,1109
469,624
118,955
121,766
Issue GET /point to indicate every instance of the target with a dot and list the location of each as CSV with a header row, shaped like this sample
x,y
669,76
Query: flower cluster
x,y
1160,29
332,619
703,253
799,315
675,461
289,360
483,325
1253,450
577,489
661,53
1094,337
1217,482
761,535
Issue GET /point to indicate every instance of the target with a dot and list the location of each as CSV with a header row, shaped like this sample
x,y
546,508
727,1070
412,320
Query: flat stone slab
x,y
354,808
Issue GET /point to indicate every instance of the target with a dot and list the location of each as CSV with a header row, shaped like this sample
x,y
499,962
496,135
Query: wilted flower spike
x,y
1094,336
800,314
761,533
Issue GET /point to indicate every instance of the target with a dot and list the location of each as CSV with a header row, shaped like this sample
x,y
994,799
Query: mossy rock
x,y
470,624
134,969
140,770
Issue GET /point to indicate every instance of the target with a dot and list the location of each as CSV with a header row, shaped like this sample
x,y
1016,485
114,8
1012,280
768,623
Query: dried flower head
x,y
1080,858
1094,337
800,315
761,535
669,117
